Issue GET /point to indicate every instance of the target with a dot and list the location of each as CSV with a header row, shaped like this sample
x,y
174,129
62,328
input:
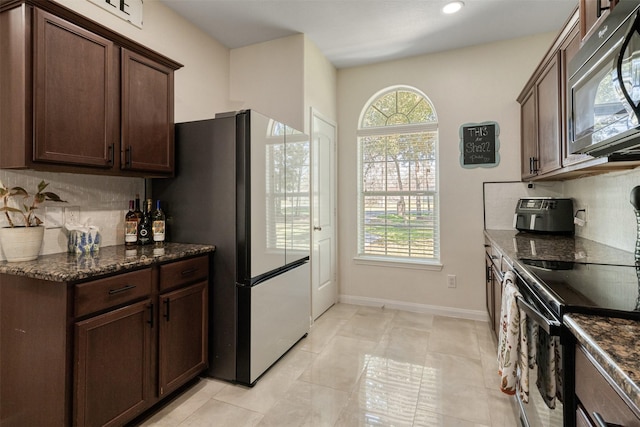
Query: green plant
x,y
25,212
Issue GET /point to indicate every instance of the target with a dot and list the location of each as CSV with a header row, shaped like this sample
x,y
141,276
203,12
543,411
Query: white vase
x,y
21,243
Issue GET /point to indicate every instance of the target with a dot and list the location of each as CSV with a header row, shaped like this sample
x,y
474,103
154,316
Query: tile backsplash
x,y
610,216
103,202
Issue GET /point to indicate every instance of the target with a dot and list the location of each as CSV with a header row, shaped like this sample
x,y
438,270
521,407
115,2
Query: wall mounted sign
x,y
479,145
129,10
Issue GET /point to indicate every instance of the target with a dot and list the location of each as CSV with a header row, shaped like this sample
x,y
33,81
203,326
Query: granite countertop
x,y
614,345
66,267
519,245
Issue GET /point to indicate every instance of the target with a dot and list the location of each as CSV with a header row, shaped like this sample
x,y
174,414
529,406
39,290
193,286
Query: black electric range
x,y
565,286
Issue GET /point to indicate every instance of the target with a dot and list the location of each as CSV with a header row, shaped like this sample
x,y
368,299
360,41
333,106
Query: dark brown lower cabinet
x,y
100,352
113,365
599,397
183,332
493,288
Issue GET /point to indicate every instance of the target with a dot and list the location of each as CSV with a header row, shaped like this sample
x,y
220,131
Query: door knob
x,y
317,228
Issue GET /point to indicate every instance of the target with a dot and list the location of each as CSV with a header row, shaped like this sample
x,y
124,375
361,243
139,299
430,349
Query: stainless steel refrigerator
x,y
242,184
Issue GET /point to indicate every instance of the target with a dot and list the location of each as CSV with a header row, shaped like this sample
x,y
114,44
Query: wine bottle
x,y
144,228
130,226
137,211
159,225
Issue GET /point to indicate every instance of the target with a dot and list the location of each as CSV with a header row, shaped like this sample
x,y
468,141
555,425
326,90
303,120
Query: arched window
x,y
397,171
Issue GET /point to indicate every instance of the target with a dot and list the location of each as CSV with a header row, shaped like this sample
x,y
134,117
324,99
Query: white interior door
x,y
324,286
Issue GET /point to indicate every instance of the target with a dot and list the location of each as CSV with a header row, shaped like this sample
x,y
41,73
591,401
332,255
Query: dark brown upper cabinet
x,y
75,88
77,97
147,114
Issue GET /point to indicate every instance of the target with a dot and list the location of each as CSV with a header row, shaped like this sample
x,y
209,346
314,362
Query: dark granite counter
x,y
517,245
614,344
66,267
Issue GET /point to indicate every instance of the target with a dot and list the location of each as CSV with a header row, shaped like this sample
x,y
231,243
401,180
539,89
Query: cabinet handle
x,y
189,271
602,423
167,305
127,156
110,154
150,321
534,165
488,273
122,289
599,8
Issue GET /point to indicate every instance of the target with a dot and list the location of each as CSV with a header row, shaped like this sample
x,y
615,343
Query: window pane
x,y
374,118
386,104
400,226
422,113
407,101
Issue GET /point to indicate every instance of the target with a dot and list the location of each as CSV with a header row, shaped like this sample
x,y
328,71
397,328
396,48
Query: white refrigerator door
x,y
298,193
267,195
279,317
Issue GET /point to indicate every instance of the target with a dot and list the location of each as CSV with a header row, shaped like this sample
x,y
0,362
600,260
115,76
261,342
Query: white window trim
x,y
390,261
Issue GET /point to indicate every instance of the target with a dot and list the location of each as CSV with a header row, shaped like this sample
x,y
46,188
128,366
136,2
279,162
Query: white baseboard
x,y
461,313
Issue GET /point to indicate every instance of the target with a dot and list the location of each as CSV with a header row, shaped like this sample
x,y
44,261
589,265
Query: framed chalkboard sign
x,y
479,145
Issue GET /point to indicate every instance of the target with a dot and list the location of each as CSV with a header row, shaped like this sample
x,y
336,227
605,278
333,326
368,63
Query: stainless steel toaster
x,y
544,215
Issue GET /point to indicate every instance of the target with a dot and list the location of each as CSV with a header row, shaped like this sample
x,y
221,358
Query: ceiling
x,y
360,32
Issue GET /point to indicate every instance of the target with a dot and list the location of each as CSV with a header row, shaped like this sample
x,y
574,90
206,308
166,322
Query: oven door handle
x,y
552,327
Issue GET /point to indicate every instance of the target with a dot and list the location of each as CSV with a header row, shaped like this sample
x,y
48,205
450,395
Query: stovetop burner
x,y
595,288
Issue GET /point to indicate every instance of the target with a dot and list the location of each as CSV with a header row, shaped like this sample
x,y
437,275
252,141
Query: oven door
x,y
544,372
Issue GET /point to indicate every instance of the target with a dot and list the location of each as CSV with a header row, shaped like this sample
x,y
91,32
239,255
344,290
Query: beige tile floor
x,y
363,366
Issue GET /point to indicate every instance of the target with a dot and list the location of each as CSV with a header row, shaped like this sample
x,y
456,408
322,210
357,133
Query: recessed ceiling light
x,y
452,7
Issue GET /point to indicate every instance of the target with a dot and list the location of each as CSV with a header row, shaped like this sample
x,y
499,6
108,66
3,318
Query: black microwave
x,y
603,91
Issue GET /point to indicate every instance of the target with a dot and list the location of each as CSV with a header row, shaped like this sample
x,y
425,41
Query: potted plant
x,y
22,239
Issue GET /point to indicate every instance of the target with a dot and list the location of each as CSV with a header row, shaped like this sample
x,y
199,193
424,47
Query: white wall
x,y
283,79
201,90
269,77
468,85
320,84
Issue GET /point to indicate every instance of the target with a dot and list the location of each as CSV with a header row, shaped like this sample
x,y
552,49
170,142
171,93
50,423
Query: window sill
x,y
398,263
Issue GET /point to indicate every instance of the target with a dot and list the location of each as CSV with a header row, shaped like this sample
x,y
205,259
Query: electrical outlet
x,y
451,281
72,214
53,217
582,216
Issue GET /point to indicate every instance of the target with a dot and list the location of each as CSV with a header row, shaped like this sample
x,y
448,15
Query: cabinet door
x,y
147,115
75,94
549,113
497,300
529,135
113,365
489,291
183,335
597,395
